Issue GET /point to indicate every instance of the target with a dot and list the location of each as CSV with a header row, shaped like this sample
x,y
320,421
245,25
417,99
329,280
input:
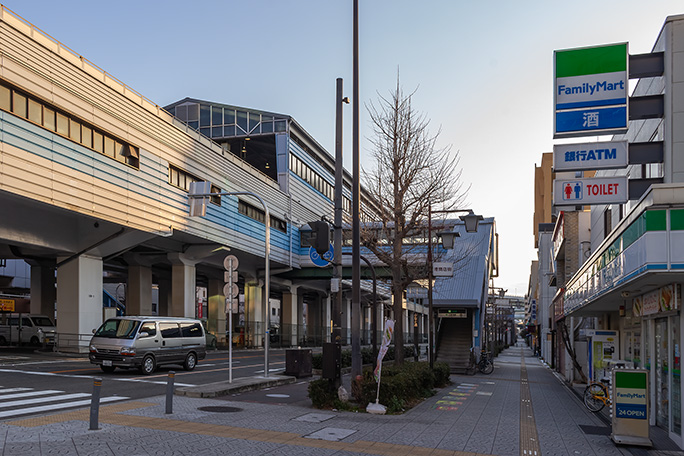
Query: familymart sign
x,y
591,91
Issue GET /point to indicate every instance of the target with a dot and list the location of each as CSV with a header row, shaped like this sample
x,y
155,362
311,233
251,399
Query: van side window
x,y
150,328
25,321
169,330
191,330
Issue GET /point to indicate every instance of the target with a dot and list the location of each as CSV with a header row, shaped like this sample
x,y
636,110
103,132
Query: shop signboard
x,y
590,156
589,191
6,305
443,269
630,407
591,90
663,299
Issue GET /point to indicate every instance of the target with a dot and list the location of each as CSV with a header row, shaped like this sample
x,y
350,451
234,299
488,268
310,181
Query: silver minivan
x,y
147,342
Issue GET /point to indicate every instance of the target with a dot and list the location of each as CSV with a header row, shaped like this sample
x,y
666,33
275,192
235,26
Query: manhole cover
x,y
219,409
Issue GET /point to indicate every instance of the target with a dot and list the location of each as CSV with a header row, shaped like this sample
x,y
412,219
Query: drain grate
x,y
219,409
594,430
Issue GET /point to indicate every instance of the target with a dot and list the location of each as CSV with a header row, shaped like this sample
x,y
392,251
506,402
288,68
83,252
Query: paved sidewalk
x,y
521,409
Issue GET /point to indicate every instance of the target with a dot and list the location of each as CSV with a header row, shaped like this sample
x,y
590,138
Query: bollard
x,y
95,404
169,393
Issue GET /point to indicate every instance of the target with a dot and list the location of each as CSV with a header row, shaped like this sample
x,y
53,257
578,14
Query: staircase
x,y
453,343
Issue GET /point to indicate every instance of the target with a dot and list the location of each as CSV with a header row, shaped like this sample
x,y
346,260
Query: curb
x,y
239,385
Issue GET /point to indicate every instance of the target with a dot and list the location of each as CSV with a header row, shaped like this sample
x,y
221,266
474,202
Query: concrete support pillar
x,y
43,290
79,302
313,319
164,297
216,318
290,317
183,284
139,290
254,318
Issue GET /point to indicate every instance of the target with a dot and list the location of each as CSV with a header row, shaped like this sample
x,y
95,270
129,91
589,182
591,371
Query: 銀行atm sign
x,y
591,90
596,190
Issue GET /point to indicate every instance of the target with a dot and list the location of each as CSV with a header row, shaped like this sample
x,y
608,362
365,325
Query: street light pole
x,y
356,209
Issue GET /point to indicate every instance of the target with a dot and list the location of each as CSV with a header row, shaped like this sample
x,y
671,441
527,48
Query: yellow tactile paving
x,y
114,414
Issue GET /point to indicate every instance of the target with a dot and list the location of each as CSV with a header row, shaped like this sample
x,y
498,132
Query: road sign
x,y
230,275
226,262
231,290
590,156
591,90
231,306
324,260
596,190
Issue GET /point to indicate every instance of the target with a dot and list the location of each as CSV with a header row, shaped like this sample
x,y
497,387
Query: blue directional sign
x,y
325,260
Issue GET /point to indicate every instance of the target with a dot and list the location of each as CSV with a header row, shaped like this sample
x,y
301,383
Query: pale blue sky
x,y
483,71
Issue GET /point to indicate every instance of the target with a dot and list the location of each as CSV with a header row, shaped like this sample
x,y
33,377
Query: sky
x,y
482,71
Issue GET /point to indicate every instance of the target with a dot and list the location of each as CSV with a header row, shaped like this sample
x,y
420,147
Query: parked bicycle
x,y
485,365
596,396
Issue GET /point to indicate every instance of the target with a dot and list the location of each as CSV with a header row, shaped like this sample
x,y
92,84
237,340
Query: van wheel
x,y
148,365
35,341
190,362
3,341
107,369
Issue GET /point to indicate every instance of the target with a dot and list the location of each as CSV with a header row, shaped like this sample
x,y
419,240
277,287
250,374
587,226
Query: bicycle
x,y
596,397
485,365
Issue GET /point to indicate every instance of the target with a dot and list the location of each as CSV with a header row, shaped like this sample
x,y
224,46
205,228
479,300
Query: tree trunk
x,y
398,296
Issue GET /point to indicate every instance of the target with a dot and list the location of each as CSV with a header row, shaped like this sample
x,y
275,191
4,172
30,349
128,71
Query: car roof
x,y
152,317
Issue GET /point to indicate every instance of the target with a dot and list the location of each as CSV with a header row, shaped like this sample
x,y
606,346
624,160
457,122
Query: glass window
x,y
108,146
19,104
149,327
182,113
228,116
74,130
216,132
206,131
242,120
5,94
194,124
216,116
191,329
254,120
169,330
205,116
86,136
48,118
35,112
280,125
193,113
119,152
118,329
267,127
229,130
62,124
98,141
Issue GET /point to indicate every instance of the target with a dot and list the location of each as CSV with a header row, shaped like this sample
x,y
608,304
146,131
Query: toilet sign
x,y
596,190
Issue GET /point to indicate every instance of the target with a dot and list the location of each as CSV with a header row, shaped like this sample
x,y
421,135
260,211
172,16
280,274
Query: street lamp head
x,y
448,238
471,221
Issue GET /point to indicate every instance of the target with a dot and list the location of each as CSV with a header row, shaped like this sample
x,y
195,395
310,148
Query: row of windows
x,y
218,122
314,179
182,180
259,215
42,114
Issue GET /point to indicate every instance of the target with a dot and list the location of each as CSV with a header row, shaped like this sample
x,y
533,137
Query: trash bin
x,y
298,362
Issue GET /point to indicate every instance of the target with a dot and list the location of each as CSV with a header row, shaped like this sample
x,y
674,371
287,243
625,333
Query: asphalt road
x,y
33,382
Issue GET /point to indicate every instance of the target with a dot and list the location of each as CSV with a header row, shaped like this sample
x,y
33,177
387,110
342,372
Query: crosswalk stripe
x,y
55,407
38,400
12,390
28,394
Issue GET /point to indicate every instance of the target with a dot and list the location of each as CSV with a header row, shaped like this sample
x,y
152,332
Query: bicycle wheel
x,y
486,366
595,397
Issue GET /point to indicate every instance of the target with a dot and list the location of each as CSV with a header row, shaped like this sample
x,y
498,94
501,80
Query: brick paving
x,y
520,409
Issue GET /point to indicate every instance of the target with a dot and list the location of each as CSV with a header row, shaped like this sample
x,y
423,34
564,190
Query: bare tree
x,y
410,173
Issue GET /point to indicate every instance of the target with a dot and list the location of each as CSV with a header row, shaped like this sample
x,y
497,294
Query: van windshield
x,y
118,329
42,321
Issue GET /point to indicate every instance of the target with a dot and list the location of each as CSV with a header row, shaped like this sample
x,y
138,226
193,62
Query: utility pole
x,y
337,240
356,224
